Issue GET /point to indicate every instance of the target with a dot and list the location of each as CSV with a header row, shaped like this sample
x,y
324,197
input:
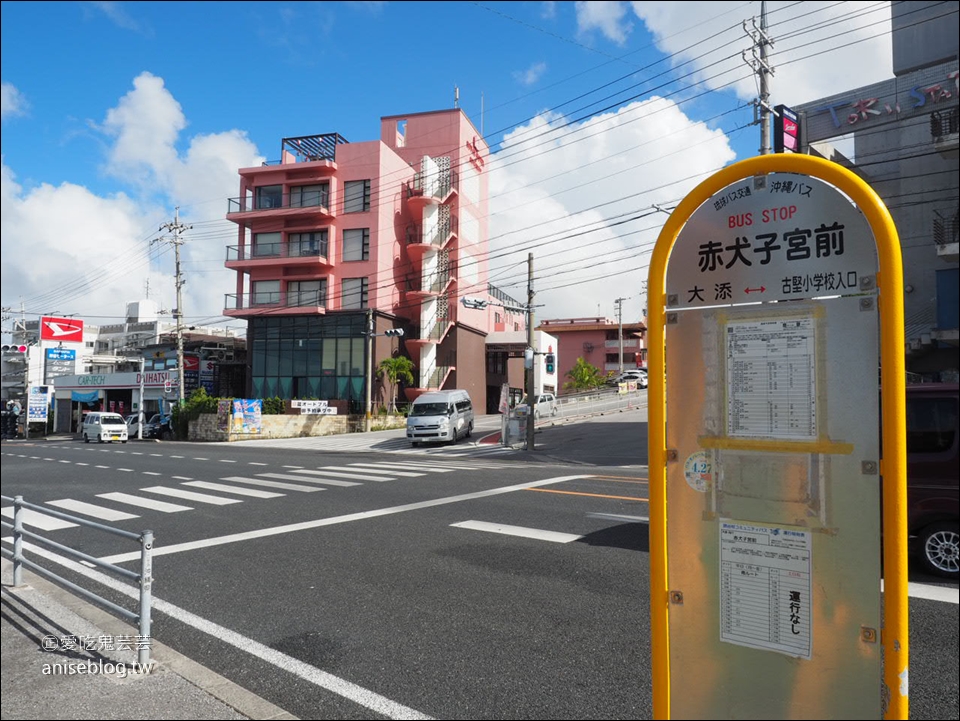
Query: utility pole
x,y
619,302
369,381
760,66
176,227
531,343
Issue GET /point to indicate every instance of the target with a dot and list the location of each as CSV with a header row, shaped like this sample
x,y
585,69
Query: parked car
x,y
634,374
547,405
104,427
133,425
933,476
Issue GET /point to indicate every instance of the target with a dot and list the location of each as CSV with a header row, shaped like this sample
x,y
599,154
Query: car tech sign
x,y
65,330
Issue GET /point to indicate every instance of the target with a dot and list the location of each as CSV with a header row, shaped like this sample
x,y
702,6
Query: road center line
x,y
593,495
320,522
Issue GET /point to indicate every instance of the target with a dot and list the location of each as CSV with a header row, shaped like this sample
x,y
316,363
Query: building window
x,y
497,318
354,293
516,326
356,244
356,196
270,196
266,245
308,244
265,292
307,292
310,196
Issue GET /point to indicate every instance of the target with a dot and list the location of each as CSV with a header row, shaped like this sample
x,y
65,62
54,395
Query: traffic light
x,y
394,331
14,349
551,360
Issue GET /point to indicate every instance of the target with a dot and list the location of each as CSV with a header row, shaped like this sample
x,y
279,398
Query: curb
x,y
213,684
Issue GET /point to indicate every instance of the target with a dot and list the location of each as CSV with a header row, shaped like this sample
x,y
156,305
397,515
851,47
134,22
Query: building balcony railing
x,y
275,299
445,230
268,251
945,130
946,235
312,200
445,183
627,343
435,377
434,283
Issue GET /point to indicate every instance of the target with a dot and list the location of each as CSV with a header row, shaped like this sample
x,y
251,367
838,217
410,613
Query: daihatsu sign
x,y
64,330
773,277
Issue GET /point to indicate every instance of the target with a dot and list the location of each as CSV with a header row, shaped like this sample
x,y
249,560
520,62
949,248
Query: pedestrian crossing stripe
x,y
304,479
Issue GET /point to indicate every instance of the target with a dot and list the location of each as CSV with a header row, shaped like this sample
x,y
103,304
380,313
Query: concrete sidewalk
x,y
41,684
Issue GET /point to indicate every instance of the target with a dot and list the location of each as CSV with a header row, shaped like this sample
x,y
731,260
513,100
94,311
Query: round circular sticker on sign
x,y
698,471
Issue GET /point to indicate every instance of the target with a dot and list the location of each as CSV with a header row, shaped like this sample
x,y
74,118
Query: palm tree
x,y
583,376
395,369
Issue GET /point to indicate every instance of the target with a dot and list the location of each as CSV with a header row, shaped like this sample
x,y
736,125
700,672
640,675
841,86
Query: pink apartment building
x,y
393,232
597,341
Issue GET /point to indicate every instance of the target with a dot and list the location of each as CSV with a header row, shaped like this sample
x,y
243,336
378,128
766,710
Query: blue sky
x,y
115,113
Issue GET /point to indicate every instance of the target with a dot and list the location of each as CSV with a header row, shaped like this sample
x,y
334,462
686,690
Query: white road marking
x,y
252,492
367,468
303,479
334,474
335,520
41,521
273,484
412,467
535,533
191,496
89,509
153,505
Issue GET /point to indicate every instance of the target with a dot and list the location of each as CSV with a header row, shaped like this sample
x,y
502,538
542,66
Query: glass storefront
x,y
309,357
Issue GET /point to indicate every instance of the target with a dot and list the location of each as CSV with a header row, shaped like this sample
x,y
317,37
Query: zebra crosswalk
x,y
381,442
188,493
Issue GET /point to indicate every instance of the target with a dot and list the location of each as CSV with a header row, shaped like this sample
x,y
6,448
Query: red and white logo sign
x,y
66,330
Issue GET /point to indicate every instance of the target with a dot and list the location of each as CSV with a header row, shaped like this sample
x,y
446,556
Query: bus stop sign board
x,y
765,466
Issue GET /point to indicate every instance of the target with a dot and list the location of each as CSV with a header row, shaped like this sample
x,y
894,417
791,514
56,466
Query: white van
x,y
104,427
440,416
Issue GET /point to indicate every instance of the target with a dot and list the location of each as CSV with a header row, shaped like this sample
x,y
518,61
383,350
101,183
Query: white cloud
x,y
563,193
610,18
66,249
12,102
65,246
811,40
531,75
118,15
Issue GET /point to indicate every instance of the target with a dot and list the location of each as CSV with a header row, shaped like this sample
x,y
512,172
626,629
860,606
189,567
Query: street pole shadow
x,y
628,536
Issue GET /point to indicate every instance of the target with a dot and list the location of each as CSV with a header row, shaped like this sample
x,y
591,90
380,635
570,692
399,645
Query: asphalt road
x,y
486,586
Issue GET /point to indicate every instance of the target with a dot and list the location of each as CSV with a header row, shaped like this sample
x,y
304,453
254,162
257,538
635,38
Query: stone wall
x,y
205,428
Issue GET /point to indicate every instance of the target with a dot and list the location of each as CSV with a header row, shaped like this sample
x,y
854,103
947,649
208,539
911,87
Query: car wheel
x,y
940,549
470,430
85,439
415,444
123,441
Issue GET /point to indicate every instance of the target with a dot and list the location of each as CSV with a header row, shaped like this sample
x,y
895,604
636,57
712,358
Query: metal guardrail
x,y
144,579
599,401
577,405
